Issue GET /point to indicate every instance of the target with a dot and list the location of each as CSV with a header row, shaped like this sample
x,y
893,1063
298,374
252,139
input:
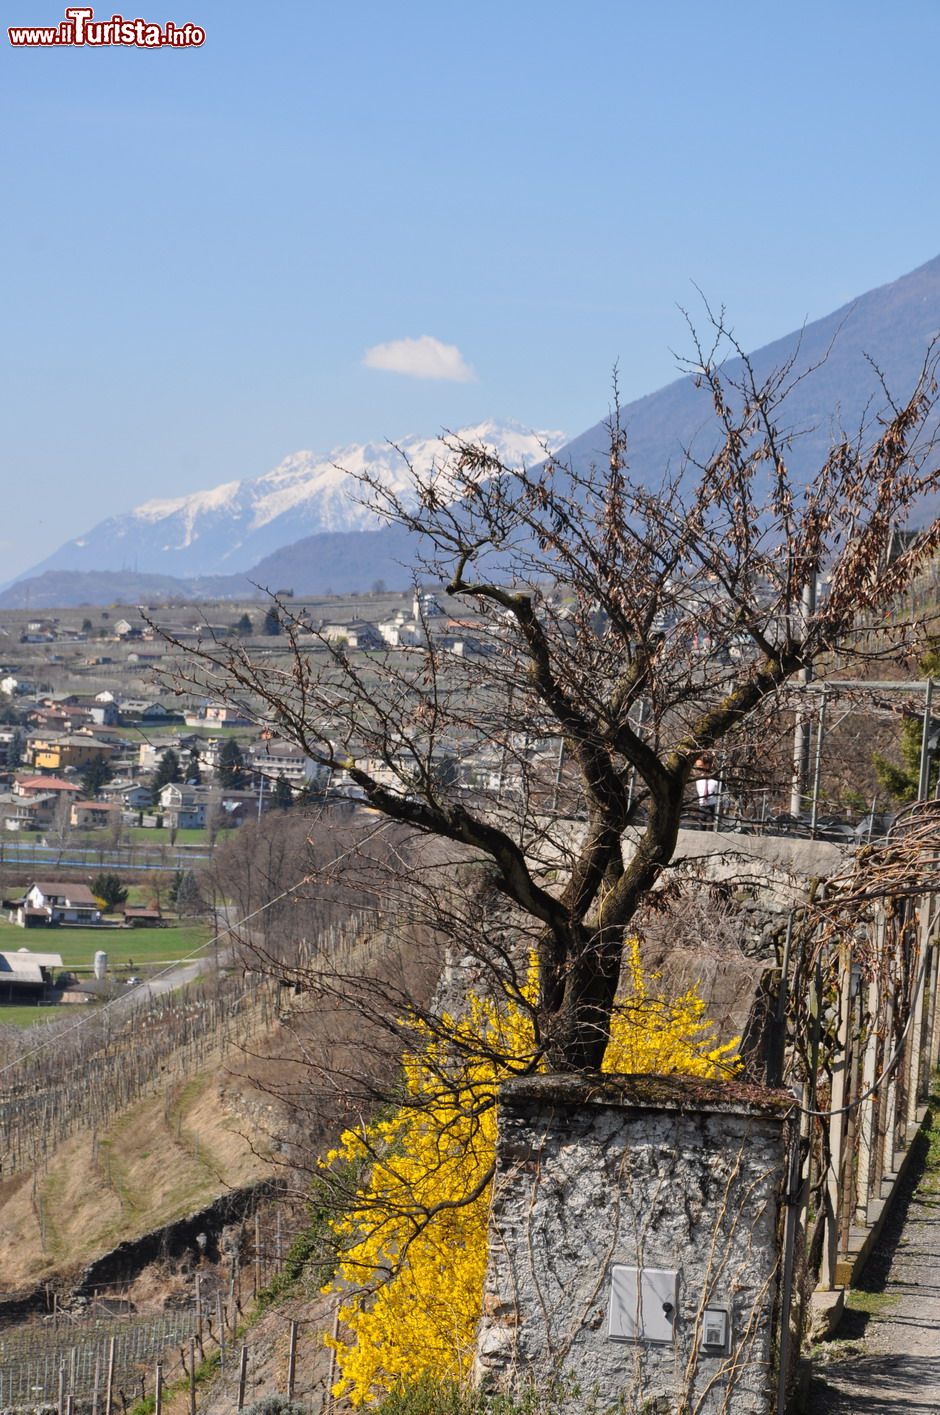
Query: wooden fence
x,y
860,1007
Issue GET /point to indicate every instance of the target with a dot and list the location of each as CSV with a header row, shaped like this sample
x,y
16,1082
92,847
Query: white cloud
x,y
420,358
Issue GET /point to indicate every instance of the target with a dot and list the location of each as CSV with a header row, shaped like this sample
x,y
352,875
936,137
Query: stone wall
x,y
677,1183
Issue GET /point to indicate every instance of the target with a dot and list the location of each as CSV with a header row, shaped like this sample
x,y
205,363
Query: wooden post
x,y
915,1038
868,1111
158,1390
242,1376
220,1317
291,1360
61,1401
257,1254
837,1126
192,1375
331,1379
198,1311
96,1383
109,1382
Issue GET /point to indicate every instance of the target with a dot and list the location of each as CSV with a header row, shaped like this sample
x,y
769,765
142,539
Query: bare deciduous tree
x,y
609,635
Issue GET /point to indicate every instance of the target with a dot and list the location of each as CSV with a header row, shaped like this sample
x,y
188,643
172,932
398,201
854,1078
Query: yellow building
x,y
70,750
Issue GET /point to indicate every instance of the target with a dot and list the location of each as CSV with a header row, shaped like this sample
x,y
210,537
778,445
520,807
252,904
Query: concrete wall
x,y
663,1173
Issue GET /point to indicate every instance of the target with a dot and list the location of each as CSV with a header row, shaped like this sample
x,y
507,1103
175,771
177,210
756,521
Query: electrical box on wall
x,y
642,1304
716,1330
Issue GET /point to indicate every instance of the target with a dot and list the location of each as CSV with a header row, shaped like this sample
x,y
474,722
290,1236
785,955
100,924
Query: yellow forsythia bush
x,y
437,1149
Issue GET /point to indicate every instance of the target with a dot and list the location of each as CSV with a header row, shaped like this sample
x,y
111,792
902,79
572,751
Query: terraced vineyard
x,y
35,1359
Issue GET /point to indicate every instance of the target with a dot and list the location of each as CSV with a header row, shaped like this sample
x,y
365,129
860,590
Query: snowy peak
x,y
231,526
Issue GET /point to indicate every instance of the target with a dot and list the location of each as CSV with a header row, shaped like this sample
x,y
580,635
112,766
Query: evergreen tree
x,y
95,775
15,751
901,780
193,769
168,770
185,894
243,626
231,768
283,795
108,888
173,892
272,621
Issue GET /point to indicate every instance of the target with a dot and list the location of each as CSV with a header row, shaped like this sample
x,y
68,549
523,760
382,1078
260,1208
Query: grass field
x,y
28,1016
126,948
101,839
151,835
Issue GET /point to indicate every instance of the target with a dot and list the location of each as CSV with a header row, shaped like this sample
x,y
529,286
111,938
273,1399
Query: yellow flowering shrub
x,y
412,1238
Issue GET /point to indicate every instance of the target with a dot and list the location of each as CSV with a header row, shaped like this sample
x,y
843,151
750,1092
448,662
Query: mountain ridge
x,y
894,324
231,526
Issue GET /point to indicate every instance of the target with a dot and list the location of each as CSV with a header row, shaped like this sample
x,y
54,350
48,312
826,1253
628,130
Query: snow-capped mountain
x,y
232,526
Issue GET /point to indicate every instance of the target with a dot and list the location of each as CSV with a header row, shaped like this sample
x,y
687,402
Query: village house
x,y
183,744
222,715
52,904
15,687
89,815
146,710
73,750
272,759
33,812
184,807
357,634
42,785
124,629
130,795
402,632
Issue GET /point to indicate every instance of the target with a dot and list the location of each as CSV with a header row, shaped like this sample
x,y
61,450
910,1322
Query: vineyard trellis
x,y
83,1079
34,1360
67,1355
859,1002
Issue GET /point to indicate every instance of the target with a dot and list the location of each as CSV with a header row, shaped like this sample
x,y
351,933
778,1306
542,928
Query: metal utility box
x,y
716,1329
642,1304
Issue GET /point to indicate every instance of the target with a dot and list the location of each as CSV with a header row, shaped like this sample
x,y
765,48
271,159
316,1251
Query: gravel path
x,y
887,1357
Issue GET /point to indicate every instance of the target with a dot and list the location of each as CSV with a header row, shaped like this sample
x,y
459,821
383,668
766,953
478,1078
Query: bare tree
x,y
610,636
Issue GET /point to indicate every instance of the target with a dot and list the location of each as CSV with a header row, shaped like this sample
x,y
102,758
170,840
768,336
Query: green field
x,y
126,948
29,1016
101,840
160,838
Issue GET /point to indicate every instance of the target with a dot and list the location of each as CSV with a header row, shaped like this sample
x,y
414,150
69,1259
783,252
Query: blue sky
x,y
200,246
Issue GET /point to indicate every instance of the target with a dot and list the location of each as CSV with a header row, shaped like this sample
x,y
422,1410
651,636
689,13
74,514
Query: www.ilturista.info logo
x,y
80,27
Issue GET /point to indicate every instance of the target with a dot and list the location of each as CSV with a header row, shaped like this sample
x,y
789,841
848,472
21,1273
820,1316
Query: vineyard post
x,y
61,1401
220,1310
96,1382
198,1311
158,1390
192,1375
331,1380
242,1376
291,1360
109,1383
